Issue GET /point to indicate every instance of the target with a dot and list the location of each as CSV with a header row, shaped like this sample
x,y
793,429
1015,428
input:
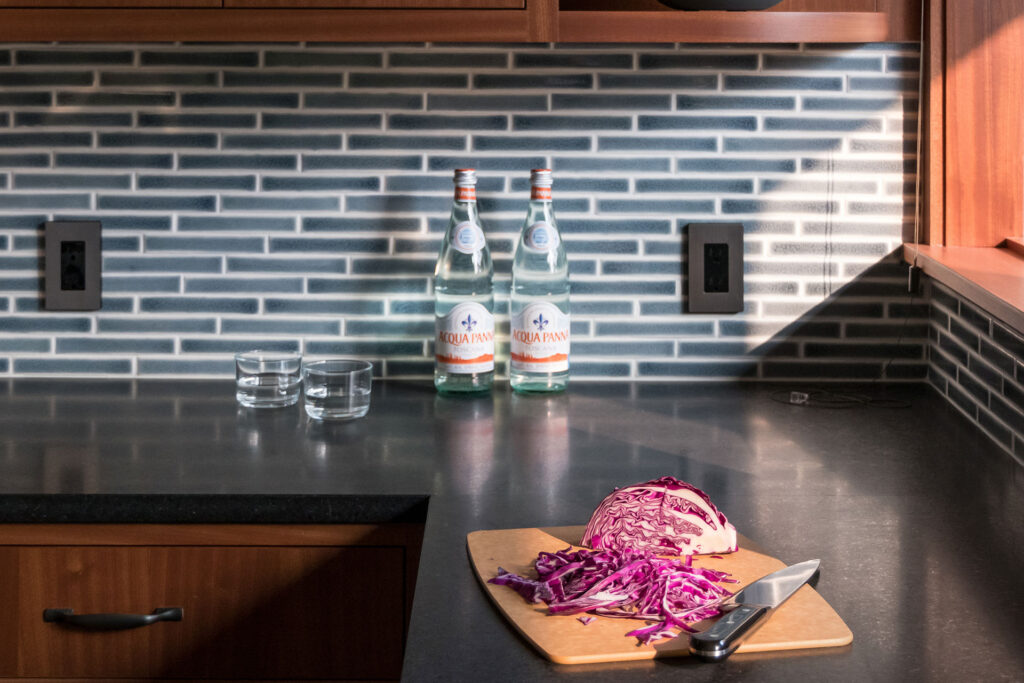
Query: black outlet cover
x,y
715,265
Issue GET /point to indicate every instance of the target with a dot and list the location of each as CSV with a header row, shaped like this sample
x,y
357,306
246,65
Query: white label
x,y
540,339
541,236
464,339
467,237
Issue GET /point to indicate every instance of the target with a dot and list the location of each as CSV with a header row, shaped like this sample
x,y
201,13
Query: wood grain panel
x,y
984,140
380,4
654,6
301,612
210,534
42,4
9,602
722,27
934,113
243,25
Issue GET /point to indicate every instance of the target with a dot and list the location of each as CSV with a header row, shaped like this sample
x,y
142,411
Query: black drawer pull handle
x,y
111,622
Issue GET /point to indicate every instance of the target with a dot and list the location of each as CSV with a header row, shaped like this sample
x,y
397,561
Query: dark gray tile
x,y
373,101
622,165
565,60
685,122
115,99
44,323
411,307
138,202
1009,341
114,345
645,81
436,59
624,288
197,182
182,304
695,102
367,224
236,345
44,201
193,57
883,84
25,99
390,79
240,223
280,79
153,120
46,181
645,206
821,62
45,78
237,285
656,144
705,185
153,366
425,183
71,119
485,163
333,162
45,139
176,140
321,121
256,100
250,202
819,83
214,244
487,102
607,101
734,368
560,143
725,61
774,369
305,58
443,122
157,79
294,327
392,266
51,57
615,227
328,246
263,162
328,306
406,142
76,366
319,183
818,124
170,325
368,286
389,328
544,82
645,267
31,345
365,348
846,103
338,266
164,264
116,160
574,123
328,141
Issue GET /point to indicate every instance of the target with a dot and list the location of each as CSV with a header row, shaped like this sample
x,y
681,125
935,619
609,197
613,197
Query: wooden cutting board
x,y
803,621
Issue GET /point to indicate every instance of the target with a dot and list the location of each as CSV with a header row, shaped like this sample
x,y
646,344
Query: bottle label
x,y
543,193
540,339
468,237
464,340
465,193
541,236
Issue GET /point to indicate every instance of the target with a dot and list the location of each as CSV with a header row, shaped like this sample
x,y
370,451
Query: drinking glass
x,y
337,389
267,379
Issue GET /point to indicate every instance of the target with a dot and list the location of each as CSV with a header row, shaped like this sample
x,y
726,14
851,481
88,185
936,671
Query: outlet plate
x,y
73,266
715,266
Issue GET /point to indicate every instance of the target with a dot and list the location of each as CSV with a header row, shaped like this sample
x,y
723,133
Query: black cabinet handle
x,y
111,622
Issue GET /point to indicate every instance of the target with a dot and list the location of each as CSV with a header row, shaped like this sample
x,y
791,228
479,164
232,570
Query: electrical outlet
x,y
715,268
73,265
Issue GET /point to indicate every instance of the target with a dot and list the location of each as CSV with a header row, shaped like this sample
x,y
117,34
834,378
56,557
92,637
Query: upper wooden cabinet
x,y
482,21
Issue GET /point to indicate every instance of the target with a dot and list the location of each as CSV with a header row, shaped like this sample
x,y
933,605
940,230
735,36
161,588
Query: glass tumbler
x,y
267,379
337,389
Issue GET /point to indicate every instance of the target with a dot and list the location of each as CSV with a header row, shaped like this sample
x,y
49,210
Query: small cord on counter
x,y
834,400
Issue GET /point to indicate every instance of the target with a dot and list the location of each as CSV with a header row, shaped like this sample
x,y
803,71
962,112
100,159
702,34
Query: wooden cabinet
x,y
258,602
482,21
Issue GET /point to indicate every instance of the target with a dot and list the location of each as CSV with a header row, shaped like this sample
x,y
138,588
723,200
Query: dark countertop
x,y
916,516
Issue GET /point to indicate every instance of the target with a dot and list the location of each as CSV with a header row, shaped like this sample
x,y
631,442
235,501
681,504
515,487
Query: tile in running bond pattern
x,y
279,192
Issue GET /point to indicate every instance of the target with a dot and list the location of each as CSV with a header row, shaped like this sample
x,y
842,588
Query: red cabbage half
x,y
669,594
666,516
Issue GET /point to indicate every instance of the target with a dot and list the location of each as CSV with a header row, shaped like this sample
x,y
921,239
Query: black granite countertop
x,y
916,516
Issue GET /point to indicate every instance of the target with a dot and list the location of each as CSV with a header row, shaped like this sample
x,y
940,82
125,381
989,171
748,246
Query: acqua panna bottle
x,y
464,298
540,298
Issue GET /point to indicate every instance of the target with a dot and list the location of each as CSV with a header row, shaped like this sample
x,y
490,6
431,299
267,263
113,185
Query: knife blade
x,y
753,605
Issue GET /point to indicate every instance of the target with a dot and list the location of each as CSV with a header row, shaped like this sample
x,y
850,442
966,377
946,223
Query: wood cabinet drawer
x,y
100,4
249,612
379,4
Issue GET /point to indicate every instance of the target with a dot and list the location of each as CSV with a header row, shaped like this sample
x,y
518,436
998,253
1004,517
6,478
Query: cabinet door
x,y
98,4
379,4
249,612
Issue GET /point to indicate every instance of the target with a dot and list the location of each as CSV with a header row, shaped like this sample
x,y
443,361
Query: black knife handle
x,y
111,622
719,641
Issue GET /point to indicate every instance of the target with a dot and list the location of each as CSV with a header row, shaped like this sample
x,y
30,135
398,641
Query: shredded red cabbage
x,y
666,516
669,593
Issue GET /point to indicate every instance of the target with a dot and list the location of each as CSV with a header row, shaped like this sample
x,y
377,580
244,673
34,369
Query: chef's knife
x,y
753,604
